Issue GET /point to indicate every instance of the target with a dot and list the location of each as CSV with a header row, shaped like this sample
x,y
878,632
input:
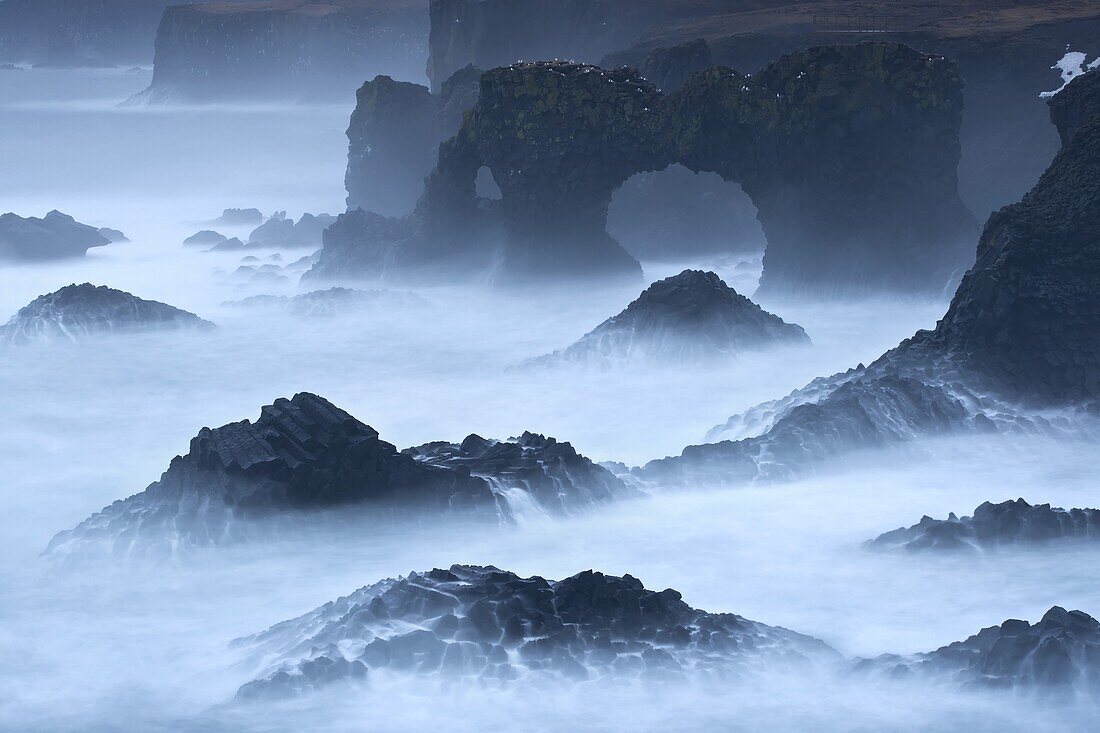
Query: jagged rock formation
x,y
54,236
283,233
847,153
394,136
284,49
688,316
76,312
491,33
489,626
1073,106
994,525
333,302
668,68
1060,654
534,472
1022,331
204,238
304,455
239,217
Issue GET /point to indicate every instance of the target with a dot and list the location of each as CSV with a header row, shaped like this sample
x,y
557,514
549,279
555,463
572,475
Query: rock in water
x,y
1010,523
303,455
79,311
52,237
549,474
335,301
489,626
113,235
688,316
280,232
204,238
1060,654
239,217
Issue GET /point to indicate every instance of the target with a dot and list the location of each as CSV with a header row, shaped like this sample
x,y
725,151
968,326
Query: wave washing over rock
x,y
76,312
333,302
491,626
55,236
688,316
1060,654
1020,338
1010,523
305,455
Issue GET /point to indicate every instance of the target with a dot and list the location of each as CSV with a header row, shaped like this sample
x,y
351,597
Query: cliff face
x,y
490,33
295,49
393,136
849,154
1074,105
79,32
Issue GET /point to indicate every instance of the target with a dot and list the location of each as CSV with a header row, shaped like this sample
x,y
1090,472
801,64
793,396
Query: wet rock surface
x,y
54,236
77,312
304,455
533,472
489,626
560,138
1059,654
1010,523
688,316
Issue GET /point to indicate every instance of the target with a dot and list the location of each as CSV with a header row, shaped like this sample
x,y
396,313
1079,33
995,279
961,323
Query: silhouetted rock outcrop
x,y
688,316
1058,655
489,626
281,232
78,311
113,235
305,455
54,236
994,525
239,217
284,49
849,154
205,238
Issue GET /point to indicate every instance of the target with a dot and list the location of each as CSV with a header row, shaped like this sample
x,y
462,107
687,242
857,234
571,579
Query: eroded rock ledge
x,y
491,626
1010,523
849,153
305,455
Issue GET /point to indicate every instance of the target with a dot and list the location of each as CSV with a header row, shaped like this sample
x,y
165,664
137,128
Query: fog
x,y
138,647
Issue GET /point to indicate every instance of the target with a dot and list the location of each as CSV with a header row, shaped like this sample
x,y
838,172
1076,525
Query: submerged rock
x,y
1060,654
76,312
994,525
489,626
334,301
304,455
54,236
688,316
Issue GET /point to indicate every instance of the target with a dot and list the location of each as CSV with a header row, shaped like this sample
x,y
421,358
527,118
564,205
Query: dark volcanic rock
x,y
239,217
394,136
530,467
78,311
669,68
689,316
848,153
1073,106
204,238
489,626
1060,654
994,525
284,49
305,455
55,236
280,232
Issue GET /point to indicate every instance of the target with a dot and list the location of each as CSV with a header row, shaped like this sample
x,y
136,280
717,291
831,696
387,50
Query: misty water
x,y
137,647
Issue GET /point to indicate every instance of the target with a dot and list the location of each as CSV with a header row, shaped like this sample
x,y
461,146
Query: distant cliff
x,y
289,49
